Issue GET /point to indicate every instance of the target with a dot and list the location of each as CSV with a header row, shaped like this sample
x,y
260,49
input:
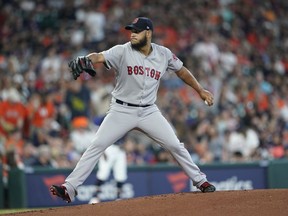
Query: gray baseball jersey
x,y
138,76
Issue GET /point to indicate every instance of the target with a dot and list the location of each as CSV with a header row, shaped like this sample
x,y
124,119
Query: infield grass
x,y
10,211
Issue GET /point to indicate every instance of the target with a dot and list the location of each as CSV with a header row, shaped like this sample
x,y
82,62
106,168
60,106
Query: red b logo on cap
x,y
135,21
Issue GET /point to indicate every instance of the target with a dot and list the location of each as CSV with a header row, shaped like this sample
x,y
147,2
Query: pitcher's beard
x,y
141,44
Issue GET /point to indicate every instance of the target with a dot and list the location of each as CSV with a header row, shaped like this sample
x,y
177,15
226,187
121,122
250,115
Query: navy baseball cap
x,y
140,24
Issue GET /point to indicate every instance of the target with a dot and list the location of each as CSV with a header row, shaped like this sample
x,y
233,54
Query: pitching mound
x,y
252,202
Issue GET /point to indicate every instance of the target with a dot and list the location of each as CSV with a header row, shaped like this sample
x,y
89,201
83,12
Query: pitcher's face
x,y
138,39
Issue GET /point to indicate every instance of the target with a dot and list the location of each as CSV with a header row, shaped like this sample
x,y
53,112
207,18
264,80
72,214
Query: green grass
x,y
8,211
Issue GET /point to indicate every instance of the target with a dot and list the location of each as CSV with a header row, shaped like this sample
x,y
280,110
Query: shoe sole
x,y
55,192
209,189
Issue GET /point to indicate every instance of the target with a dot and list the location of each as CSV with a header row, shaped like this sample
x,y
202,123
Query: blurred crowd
x,y
238,49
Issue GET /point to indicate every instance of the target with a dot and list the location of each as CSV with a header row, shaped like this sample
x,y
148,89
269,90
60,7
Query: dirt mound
x,y
249,202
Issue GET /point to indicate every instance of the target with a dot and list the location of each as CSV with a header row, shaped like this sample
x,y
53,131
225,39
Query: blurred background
x,y
236,48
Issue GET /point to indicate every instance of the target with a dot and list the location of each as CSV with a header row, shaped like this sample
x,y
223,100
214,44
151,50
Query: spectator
x,y
100,97
215,144
285,156
94,21
29,155
15,141
81,133
44,158
12,113
43,121
78,99
41,109
50,66
243,143
277,148
207,51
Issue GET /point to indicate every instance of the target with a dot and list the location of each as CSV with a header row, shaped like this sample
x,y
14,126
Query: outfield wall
x,y
30,188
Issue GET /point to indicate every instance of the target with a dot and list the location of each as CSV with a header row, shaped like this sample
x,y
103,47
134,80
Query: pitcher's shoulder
x,y
160,48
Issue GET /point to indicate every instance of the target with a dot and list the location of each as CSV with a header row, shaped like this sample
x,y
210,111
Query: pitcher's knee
x,y
101,146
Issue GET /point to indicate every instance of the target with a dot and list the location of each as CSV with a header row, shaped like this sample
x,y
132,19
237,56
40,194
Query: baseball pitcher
x,y
139,66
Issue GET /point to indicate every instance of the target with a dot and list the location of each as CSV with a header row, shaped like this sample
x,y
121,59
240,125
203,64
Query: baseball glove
x,y
81,64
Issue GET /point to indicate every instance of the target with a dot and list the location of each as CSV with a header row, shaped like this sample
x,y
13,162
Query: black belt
x,y
129,104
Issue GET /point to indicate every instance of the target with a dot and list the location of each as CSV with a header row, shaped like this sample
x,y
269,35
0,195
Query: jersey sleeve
x,y
174,63
113,56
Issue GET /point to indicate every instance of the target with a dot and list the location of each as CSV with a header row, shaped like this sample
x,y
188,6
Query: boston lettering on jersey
x,y
140,70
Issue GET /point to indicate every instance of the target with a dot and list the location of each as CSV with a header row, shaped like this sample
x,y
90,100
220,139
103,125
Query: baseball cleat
x,y
61,192
206,187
